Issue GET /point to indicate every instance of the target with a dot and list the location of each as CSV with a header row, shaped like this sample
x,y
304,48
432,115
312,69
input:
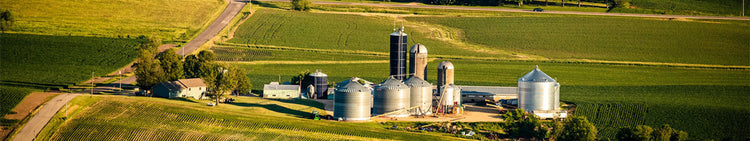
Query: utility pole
x,y
92,84
120,72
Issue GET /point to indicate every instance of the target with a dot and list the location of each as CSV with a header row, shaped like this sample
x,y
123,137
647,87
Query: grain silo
x,y
391,95
450,95
320,84
352,101
421,95
445,74
398,54
418,61
538,92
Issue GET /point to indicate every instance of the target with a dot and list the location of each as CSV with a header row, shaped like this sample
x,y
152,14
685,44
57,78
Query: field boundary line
x,y
306,62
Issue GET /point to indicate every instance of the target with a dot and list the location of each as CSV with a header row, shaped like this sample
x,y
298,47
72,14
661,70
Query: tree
x,y
621,3
301,5
578,128
7,20
148,72
557,128
639,133
191,67
206,56
220,83
519,124
171,63
243,82
664,133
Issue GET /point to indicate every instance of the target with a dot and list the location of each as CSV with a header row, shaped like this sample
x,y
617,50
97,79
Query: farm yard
x,y
611,95
253,118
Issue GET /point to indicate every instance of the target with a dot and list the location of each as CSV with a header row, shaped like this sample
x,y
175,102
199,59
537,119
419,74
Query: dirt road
x,y
29,131
522,10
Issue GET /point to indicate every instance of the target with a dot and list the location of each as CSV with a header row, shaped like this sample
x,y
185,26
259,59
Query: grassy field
x,y
253,54
251,118
608,38
61,60
168,19
687,7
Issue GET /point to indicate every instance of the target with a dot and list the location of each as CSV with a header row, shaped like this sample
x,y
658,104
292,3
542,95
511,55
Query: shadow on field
x,y
276,108
264,4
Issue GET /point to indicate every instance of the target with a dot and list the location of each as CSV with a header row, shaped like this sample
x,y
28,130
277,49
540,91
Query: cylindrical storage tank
x,y
320,83
390,96
352,101
398,54
421,95
456,94
447,98
418,61
538,92
445,74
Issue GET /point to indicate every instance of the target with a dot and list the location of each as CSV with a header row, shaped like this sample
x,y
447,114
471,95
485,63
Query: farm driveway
x,y
523,10
35,125
233,8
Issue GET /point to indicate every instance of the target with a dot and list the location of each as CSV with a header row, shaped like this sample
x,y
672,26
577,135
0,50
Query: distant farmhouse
x,y
275,90
193,87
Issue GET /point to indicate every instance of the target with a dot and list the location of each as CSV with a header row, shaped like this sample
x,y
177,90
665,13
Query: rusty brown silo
x,y
445,74
418,61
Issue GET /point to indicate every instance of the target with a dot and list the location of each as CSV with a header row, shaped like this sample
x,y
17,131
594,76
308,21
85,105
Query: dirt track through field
x,y
522,10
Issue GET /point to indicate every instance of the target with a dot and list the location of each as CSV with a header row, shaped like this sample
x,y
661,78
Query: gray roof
x,y
489,90
536,75
183,83
417,82
418,48
392,83
445,64
352,86
397,31
276,86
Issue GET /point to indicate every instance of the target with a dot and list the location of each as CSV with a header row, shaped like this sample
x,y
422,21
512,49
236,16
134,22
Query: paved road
x,y
35,125
522,10
233,8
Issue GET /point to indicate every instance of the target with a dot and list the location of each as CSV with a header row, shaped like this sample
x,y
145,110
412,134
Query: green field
x,y
251,118
687,7
608,38
168,19
61,60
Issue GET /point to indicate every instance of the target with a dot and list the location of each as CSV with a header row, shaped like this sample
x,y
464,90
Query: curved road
x,y
32,128
522,10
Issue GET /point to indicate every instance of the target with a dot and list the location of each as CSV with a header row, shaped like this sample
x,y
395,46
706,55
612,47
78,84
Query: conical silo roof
x,y
392,83
445,64
317,73
418,48
417,82
536,75
352,86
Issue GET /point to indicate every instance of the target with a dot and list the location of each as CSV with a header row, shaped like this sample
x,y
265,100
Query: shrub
x,y
301,5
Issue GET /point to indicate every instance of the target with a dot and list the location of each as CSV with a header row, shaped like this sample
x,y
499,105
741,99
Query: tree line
x,y
220,79
521,125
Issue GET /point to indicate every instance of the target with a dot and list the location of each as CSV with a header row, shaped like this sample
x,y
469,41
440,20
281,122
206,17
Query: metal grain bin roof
x,y
352,86
417,82
392,83
418,48
397,31
536,75
446,65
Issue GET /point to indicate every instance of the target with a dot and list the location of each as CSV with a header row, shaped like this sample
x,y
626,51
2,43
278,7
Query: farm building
x,y
470,94
275,90
193,87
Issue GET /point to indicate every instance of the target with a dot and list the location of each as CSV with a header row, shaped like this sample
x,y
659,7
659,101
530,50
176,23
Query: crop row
x,y
118,120
11,96
61,60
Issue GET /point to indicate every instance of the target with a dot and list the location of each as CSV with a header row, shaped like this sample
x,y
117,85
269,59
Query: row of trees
x,y
646,133
168,66
520,124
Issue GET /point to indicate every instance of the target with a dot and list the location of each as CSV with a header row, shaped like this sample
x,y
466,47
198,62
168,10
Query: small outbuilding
x,y
193,87
275,90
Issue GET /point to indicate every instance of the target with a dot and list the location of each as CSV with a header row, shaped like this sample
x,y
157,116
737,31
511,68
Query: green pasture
x,y
608,38
250,118
251,54
168,19
61,60
687,7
